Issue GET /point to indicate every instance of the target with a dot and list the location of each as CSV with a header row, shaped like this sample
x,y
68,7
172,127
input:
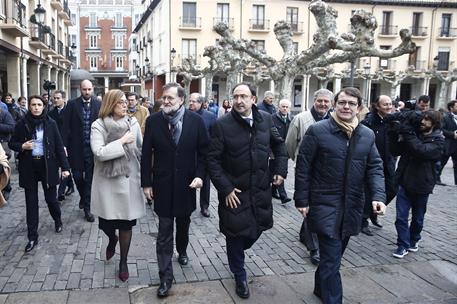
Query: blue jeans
x,y
408,237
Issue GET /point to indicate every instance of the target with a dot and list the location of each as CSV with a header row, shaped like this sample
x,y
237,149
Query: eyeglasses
x,y
167,98
122,102
343,103
242,96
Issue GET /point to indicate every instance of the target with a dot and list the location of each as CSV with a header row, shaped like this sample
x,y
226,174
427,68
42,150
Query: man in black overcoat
x,y
240,147
172,167
337,157
449,128
79,115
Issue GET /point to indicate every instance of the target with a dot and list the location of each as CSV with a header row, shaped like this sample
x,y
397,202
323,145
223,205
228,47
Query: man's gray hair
x,y
200,98
323,92
282,101
268,93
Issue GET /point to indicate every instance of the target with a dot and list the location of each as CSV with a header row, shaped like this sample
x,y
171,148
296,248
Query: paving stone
x,y
99,296
43,297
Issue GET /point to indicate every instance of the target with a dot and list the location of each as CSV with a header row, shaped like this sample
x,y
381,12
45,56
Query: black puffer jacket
x,y
416,171
330,174
238,158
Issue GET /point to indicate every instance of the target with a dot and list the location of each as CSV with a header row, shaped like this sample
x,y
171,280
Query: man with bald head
x,y
196,101
79,115
297,129
375,120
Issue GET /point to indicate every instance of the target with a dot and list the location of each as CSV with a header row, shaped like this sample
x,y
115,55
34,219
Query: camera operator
x,y
419,149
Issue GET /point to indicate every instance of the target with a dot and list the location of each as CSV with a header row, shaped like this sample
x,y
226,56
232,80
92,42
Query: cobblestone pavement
x,y
74,259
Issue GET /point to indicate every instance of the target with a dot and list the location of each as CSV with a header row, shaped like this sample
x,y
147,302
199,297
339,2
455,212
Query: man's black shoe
x,y
315,257
440,183
164,288
285,200
70,191
6,195
30,245
183,259
242,289
376,223
317,293
205,212
89,217
275,195
367,231
61,198
58,225
81,204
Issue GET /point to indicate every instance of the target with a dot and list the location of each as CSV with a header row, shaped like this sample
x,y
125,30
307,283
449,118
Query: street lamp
x,y
39,14
172,58
367,70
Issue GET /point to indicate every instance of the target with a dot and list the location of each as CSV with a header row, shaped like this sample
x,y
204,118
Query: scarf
x,y
175,122
34,121
316,115
116,129
4,177
347,127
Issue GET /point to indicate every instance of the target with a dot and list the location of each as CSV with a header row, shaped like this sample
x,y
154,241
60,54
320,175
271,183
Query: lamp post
x,y
39,14
172,58
367,70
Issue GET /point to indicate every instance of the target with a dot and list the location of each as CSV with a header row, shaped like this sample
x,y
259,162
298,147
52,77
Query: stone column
x,y
13,66
453,91
305,104
336,85
272,86
424,86
34,71
24,88
106,83
202,88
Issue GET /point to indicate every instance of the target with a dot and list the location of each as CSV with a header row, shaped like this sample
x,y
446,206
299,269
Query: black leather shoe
x,y
242,289
376,223
89,217
315,257
205,212
285,200
164,288
30,245
58,225
183,259
366,230
70,191
61,198
440,183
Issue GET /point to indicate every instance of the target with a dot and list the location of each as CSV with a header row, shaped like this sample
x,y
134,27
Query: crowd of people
x,y
350,162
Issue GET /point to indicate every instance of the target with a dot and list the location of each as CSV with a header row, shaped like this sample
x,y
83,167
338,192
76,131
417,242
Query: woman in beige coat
x,y
117,198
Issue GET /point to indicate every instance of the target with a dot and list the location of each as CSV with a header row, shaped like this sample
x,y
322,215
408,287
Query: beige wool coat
x,y
118,197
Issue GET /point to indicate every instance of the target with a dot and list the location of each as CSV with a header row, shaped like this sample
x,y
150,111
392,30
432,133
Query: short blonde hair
x,y
110,100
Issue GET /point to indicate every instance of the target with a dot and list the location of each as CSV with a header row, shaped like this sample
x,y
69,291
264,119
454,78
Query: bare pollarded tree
x,y
446,79
328,46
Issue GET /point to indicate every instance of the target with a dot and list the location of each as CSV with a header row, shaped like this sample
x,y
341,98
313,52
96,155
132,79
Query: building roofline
x,y
420,3
146,15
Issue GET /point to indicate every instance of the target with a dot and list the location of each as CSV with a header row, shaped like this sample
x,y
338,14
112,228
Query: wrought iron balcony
x,y
447,32
65,13
259,24
15,20
388,30
38,37
296,27
52,41
190,22
229,21
419,31
60,48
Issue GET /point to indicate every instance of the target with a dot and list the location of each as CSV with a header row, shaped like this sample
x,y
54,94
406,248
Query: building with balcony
x,y
34,45
101,38
172,30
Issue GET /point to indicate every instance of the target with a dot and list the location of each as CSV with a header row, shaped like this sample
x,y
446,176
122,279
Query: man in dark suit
x,y
79,115
449,128
56,114
196,100
172,167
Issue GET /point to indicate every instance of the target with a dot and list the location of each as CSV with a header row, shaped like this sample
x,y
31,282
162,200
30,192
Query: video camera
x,y
49,85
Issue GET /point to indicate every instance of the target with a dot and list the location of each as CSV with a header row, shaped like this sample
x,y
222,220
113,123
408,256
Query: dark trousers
x,y
307,237
31,200
83,180
64,183
417,203
204,193
327,278
280,190
164,246
444,161
235,255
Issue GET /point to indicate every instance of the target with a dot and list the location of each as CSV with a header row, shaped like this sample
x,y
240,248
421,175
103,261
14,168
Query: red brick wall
x,y
105,43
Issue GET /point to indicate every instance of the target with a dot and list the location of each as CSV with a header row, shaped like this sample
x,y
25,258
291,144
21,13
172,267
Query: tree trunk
x,y
443,95
393,90
186,88
232,79
284,86
209,85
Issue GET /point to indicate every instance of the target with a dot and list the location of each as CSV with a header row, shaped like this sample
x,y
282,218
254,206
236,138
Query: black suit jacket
x,y
58,117
174,166
449,127
72,131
